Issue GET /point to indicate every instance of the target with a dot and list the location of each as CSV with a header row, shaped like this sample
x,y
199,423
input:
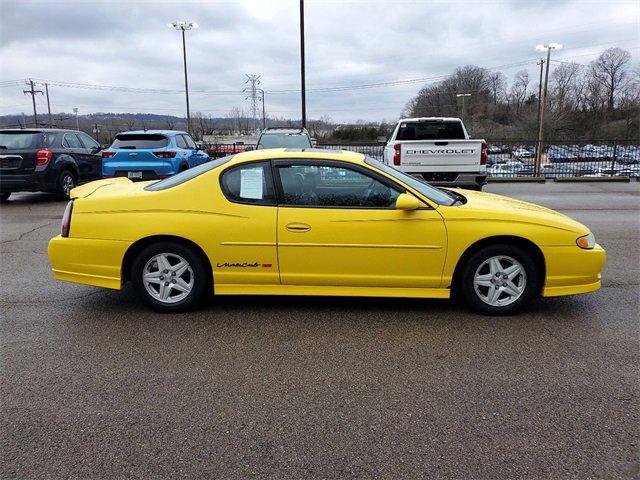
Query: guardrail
x,y
516,158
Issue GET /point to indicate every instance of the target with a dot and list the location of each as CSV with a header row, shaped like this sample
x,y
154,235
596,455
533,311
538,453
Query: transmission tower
x,y
252,89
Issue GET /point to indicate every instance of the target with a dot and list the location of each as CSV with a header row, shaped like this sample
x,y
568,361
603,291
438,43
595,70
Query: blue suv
x,y
151,154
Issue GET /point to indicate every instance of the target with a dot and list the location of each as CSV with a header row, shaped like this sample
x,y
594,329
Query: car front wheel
x,y
170,277
4,196
499,280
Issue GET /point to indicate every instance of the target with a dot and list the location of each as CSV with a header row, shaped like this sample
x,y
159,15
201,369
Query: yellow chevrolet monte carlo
x,y
318,222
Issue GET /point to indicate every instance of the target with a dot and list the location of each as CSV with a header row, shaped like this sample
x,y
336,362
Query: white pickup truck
x,y
439,150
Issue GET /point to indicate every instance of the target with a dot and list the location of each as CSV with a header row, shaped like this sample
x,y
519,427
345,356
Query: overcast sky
x,y
127,43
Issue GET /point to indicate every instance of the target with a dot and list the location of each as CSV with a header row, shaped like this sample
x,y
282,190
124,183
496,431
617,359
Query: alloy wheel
x,y
500,281
168,277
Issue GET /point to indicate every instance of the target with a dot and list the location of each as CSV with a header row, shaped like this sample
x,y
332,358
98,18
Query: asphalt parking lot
x,y
94,385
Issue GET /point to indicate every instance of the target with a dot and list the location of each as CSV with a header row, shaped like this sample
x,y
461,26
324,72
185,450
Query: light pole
x,y
46,89
264,116
184,26
543,48
463,95
302,79
75,110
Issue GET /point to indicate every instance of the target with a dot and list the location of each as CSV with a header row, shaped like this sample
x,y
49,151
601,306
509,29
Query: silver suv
x,y
284,138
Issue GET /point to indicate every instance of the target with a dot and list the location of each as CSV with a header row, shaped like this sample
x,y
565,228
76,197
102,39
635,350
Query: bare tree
x,y
610,70
519,88
498,85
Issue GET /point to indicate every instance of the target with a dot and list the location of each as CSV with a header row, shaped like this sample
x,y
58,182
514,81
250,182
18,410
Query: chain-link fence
x,y
516,158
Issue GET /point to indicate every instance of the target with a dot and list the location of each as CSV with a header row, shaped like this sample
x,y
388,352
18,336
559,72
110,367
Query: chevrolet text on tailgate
x,y
439,150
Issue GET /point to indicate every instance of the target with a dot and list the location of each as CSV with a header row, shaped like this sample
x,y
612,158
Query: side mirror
x,y
408,202
382,139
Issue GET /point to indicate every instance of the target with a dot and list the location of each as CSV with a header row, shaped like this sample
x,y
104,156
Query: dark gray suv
x,y
284,138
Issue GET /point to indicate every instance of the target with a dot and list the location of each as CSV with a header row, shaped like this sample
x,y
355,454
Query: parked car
x,y
47,160
374,231
151,154
495,160
284,138
524,152
560,154
440,150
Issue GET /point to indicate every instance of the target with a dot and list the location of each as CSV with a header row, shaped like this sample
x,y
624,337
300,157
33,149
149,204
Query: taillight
x,y
483,153
108,153
43,156
165,154
397,155
66,220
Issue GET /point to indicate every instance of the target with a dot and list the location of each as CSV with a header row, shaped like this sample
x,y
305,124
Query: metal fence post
x,y
614,158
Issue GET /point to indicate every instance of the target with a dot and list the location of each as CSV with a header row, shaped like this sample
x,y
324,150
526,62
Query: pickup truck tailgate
x,y
441,156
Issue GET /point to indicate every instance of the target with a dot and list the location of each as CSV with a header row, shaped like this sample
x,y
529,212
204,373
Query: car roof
x,y
423,119
299,154
154,132
38,130
283,130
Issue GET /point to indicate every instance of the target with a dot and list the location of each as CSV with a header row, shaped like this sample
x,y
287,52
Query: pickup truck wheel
x,y
4,196
169,277
66,182
499,280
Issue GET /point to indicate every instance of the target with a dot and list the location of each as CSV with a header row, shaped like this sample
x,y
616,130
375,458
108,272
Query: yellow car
x,y
318,222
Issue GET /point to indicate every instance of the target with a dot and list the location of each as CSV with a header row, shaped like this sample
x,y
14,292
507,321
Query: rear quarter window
x,y
140,141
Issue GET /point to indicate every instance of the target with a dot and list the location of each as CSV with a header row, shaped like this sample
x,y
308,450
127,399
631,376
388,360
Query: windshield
x,y
438,196
187,175
140,141
284,140
431,130
21,140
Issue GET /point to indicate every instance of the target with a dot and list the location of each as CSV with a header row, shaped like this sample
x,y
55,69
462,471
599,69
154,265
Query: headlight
x,y
587,242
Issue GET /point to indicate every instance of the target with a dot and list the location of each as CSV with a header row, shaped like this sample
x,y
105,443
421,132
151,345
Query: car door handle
x,y
298,227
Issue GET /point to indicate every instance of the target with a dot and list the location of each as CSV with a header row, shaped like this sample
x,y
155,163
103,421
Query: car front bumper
x,y
572,270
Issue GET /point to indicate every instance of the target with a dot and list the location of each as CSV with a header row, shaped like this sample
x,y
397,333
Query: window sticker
x,y
251,183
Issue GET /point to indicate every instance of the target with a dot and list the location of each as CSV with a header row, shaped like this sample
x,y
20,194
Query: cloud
x,y
348,43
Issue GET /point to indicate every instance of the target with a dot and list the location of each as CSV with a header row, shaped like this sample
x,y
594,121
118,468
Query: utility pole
x,y
536,167
264,115
543,101
302,79
33,92
253,81
96,130
75,110
463,96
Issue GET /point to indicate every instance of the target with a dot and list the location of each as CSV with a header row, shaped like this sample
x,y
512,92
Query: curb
x,y
516,180
592,179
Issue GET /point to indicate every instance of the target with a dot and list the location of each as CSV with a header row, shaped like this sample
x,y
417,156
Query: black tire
x,y
4,196
200,277
183,167
531,282
66,181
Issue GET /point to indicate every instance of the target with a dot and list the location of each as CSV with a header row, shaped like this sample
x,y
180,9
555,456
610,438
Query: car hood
x,y
498,207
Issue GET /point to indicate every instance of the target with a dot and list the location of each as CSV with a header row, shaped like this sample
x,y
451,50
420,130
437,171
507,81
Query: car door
x,y
338,226
75,149
92,155
248,252
196,157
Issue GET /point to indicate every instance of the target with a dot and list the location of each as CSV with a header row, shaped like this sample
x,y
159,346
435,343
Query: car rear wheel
x,y
499,280
66,182
4,196
170,277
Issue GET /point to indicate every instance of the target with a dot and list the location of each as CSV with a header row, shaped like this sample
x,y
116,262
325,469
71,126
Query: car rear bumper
x,y
146,175
30,182
87,261
572,270
454,179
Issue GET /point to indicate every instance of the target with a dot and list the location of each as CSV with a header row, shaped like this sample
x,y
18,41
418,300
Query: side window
x,y
190,143
333,186
180,141
71,140
249,183
88,142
